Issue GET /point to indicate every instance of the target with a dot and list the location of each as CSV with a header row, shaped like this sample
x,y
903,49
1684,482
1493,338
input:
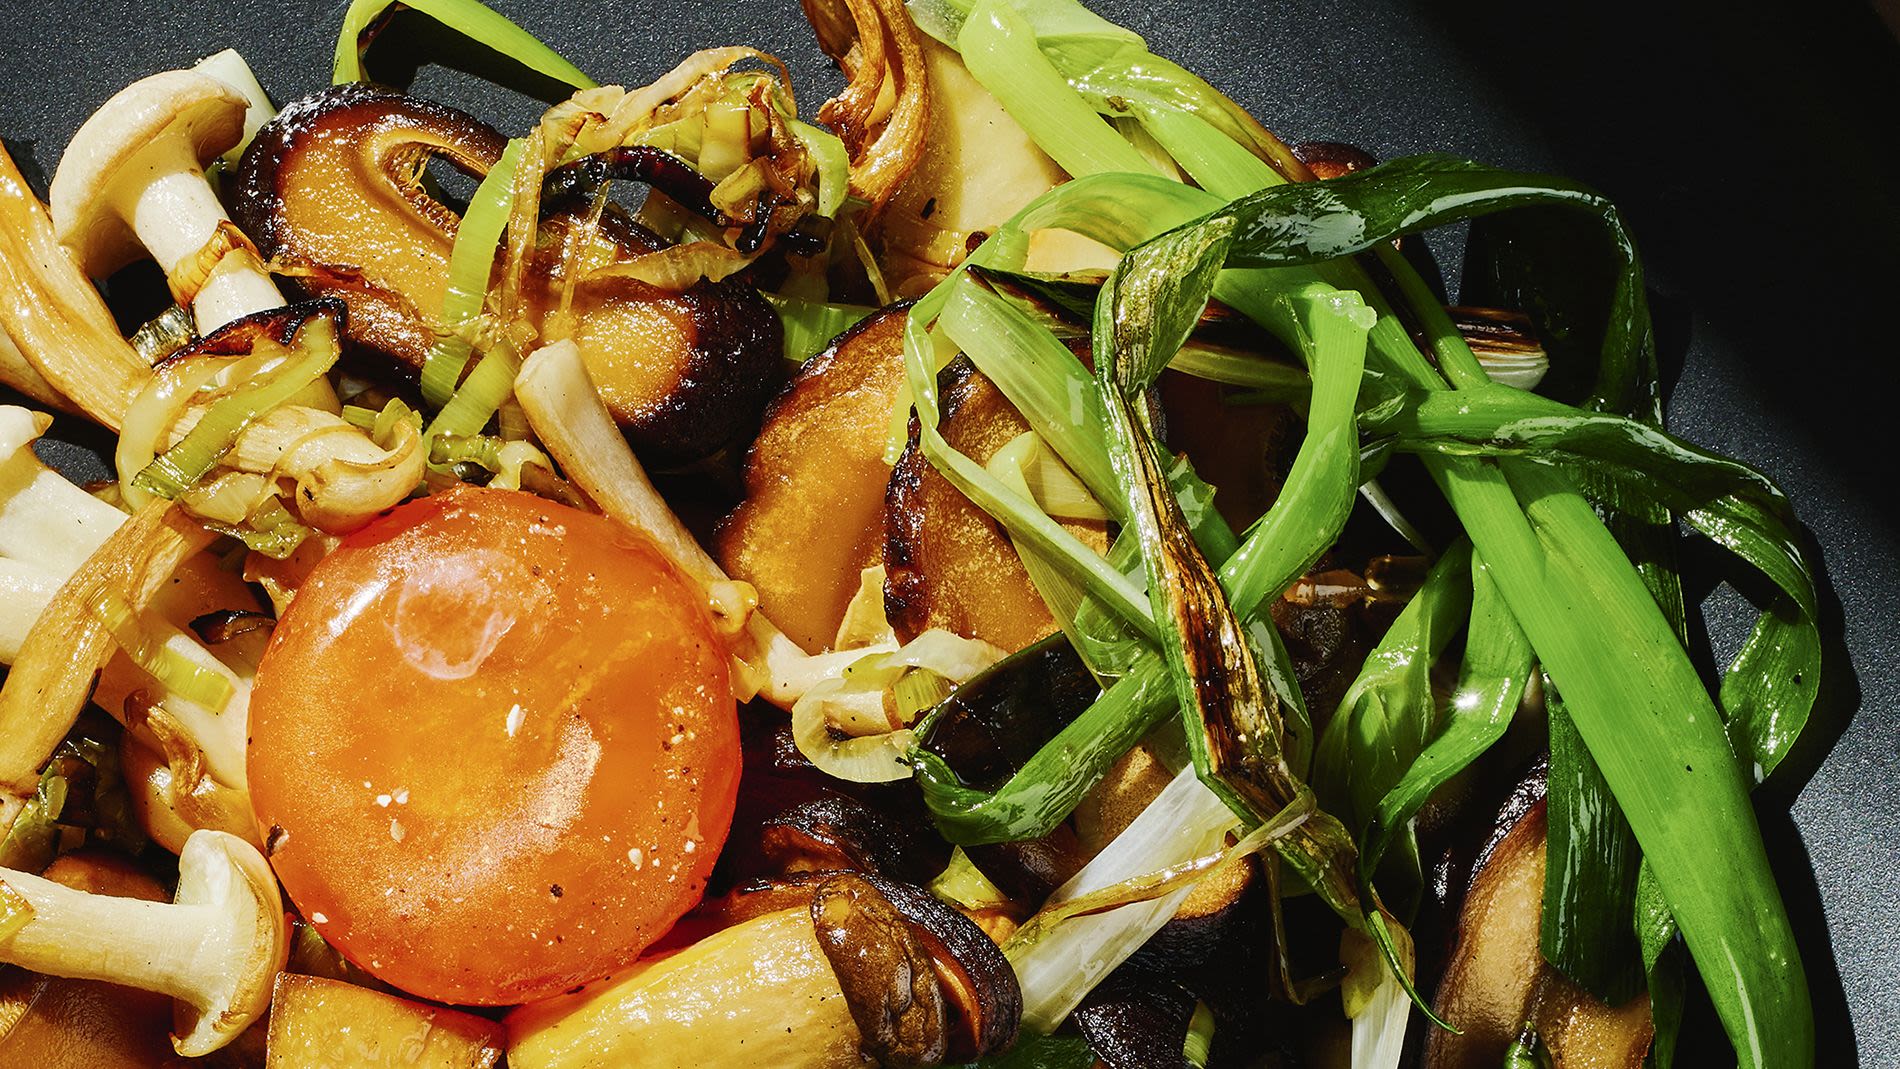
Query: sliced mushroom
x,y
946,562
815,477
839,833
1137,1020
214,950
1497,979
333,190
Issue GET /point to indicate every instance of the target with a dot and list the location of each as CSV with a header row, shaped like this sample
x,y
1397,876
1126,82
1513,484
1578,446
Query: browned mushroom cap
x,y
829,834
1330,159
333,188
885,972
923,981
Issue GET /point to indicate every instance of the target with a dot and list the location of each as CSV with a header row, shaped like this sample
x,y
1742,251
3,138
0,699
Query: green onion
x,y
1387,716
186,464
1001,52
917,690
469,18
147,648
271,530
477,240
1590,874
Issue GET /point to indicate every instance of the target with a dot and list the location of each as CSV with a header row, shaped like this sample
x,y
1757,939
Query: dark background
x,y
1750,147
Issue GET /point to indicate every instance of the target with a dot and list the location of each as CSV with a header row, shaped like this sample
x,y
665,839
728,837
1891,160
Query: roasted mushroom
x,y
1498,981
947,563
815,478
332,190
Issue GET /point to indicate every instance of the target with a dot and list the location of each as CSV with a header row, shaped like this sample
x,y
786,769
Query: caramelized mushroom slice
x,y
1497,978
839,833
333,191
946,562
332,188
813,513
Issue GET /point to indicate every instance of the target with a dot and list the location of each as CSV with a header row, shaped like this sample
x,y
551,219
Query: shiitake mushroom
x,y
1497,979
815,478
332,190
841,833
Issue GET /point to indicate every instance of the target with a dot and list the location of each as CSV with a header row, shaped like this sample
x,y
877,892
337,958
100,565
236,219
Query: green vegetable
x,y
280,378
470,19
1590,874
471,263
145,644
1200,1036
810,326
1040,1052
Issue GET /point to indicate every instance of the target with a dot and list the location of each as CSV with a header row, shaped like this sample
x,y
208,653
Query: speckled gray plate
x,y
1743,144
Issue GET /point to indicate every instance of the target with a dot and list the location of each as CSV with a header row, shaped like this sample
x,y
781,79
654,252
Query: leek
x,y
147,649
477,241
186,464
811,326
469,18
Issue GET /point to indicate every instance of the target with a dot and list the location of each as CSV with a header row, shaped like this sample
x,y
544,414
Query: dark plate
x,y
1742,144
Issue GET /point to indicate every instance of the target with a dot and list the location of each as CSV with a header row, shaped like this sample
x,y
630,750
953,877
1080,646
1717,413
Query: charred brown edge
x,y
839,833
733,357
239,337
906,587
256,194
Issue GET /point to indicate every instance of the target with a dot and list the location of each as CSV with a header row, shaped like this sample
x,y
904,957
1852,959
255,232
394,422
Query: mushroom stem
x,y
176,216
215,948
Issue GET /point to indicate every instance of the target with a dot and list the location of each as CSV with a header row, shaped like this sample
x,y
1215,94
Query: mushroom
x,y
333,186
923,981
215,949
133,176
840,833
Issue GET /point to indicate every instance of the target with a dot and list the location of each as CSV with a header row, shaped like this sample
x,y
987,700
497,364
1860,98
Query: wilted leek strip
x,y
1497,665
1590,874
471,19
177,673
186,464
1386,717
480,395
810,326
477,240
1001,52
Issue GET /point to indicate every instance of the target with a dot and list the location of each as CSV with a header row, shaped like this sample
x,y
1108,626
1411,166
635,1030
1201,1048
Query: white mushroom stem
x,y
215,948
173,210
